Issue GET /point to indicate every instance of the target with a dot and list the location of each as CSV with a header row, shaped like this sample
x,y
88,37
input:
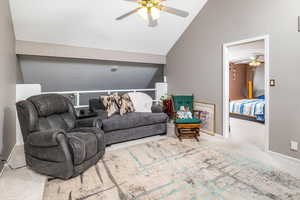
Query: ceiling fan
x,y
150,11
256,61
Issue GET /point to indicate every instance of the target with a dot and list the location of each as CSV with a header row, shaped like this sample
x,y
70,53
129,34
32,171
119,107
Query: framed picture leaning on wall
x,y
207,116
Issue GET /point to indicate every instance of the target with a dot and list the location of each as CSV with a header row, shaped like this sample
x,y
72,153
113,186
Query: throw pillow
x,y
126,105
111,104
141,101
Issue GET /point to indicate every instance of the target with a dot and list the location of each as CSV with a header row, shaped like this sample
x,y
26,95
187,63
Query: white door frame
x,y
226,133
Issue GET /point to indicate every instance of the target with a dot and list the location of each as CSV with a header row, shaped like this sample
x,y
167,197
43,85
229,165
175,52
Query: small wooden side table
x,y
187,131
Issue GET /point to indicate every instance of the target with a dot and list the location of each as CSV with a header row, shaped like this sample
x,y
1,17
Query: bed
x,y
249,109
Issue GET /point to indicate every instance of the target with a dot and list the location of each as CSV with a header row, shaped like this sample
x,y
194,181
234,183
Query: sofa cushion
x,y
132,120
83,146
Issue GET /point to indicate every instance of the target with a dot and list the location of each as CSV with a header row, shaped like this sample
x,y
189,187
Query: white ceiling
x,y
91,23
246,51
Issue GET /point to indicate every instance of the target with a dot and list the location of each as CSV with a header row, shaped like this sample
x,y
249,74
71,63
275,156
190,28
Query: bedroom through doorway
x,y
246,94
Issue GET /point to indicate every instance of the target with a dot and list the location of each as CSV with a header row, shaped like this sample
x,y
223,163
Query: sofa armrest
x,y
89,122
157,108
48,138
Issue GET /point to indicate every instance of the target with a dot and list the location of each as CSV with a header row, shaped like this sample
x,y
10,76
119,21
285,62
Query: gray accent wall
x,y
67,74
194,65
8,71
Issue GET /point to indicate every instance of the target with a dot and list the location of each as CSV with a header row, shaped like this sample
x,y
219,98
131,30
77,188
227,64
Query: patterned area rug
x,y
169,169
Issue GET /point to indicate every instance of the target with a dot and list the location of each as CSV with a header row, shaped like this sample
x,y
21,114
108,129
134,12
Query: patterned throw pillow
x,y
111,104
126,105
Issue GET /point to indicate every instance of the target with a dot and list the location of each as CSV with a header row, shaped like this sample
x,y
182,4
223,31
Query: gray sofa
x,y
131,126
55,142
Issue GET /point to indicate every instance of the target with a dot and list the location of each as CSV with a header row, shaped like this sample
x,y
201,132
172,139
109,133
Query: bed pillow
x,y
111,104
141,101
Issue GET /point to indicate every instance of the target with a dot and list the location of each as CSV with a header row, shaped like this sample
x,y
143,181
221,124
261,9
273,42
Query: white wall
x,y
194,65
8,74
24,91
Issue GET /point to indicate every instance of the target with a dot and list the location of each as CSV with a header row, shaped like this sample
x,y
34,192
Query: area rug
x,y
169,169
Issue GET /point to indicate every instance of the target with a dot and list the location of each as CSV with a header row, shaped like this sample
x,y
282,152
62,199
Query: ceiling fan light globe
x,y
255,64
143,12
155,12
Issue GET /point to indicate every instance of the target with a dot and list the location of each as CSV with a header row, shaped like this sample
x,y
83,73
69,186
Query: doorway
x,y
246,104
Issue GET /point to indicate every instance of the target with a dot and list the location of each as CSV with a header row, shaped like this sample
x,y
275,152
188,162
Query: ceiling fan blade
x,y
128,14
132,0
174,11
151,21
141,2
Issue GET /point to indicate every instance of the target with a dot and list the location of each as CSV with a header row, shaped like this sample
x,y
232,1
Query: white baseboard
x,y
216,135
17,158
213,135
220,136
7,161
284,156
1,171
11,153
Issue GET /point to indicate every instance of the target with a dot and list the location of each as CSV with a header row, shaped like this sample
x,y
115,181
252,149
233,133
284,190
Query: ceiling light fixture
x,y
255,63
145,11
150,10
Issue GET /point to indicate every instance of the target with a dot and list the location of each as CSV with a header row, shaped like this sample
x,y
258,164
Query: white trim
x,y
225,92
11,154
226,85
216,135
77,94
101,91
67,51
2,171
267,92
7,160
272,153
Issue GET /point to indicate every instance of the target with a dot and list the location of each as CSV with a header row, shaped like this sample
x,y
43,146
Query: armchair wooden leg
x,y
196,137
178,134
180,139
187,131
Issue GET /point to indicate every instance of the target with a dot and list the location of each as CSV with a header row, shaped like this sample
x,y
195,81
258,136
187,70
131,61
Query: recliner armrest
x,y
89,122
48,138
98,132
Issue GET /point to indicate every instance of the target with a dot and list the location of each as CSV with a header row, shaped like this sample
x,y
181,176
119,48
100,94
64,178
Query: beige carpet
x,y
169,169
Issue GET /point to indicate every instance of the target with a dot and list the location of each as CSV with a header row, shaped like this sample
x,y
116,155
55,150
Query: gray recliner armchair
x,y
55,142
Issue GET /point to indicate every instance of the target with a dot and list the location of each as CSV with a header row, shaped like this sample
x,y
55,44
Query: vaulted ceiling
x,y
92,24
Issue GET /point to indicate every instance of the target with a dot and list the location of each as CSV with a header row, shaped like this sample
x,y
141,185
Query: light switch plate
x,y
294,146
299,24
272,83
